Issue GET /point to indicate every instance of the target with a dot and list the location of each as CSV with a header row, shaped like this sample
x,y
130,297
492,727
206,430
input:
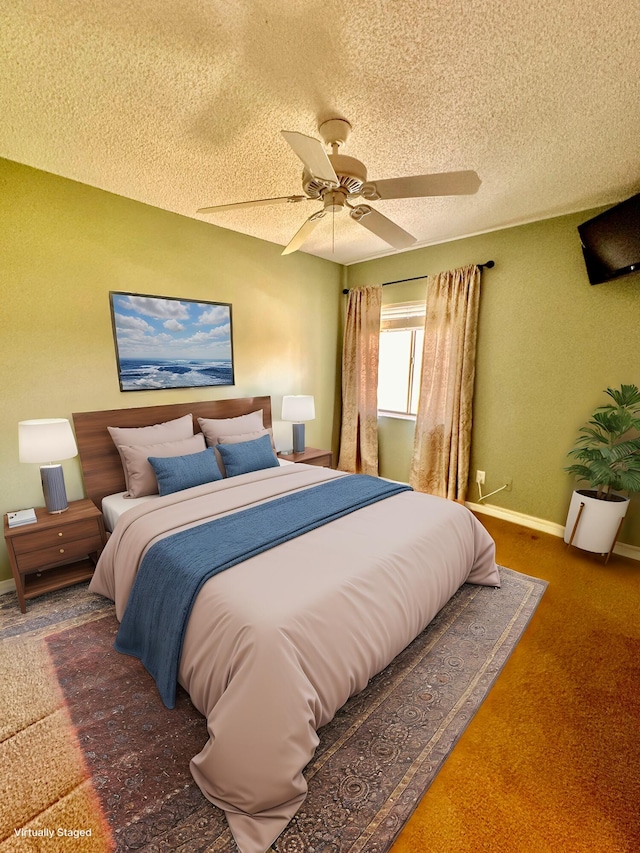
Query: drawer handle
x,y
62,550
59,534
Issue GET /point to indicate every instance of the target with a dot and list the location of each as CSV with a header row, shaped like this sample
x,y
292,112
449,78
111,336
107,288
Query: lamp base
x,y
55,494
298,438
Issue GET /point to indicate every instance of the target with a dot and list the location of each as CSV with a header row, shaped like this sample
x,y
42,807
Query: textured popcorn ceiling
x,y
180,103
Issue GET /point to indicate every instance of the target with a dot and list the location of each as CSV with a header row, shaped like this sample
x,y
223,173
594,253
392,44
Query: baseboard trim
x,y
621,548
518,518
7,586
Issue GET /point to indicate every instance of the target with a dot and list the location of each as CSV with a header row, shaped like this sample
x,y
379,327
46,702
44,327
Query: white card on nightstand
x,y
21,516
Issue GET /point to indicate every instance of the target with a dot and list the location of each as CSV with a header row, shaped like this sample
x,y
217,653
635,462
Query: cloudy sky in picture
x,y
156,327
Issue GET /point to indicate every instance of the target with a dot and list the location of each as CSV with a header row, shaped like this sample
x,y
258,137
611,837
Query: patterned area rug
x,y
375,760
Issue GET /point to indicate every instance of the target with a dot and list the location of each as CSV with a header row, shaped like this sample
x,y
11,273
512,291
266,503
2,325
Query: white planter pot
x,y
599,521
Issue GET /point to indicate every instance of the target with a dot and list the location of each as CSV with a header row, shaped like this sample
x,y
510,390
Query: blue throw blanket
x,y
174,570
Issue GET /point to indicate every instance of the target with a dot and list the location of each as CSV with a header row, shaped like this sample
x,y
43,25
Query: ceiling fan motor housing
x,y
351,173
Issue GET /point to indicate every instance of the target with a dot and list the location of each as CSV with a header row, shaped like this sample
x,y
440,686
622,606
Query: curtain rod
x,y
487,264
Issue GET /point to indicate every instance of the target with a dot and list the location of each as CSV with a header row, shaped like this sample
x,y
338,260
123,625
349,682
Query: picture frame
x,y
166,342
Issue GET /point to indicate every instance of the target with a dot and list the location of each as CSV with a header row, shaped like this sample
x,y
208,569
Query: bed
x,y
275,645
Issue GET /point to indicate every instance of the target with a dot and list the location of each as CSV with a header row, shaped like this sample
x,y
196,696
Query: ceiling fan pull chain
x,y
333,230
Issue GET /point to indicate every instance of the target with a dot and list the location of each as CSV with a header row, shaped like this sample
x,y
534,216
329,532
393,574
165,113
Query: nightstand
x,y
311,456
58,550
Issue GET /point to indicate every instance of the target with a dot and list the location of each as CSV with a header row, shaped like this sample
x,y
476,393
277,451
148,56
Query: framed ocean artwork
x,y
166,342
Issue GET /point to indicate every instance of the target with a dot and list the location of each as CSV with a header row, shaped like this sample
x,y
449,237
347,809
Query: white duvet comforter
x,y
276,644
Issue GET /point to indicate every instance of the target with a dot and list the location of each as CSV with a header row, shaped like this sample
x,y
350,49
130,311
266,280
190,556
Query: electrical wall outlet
x,y
480,475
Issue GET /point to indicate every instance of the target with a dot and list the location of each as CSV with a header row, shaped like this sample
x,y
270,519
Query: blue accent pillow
x,y
248,456
175,473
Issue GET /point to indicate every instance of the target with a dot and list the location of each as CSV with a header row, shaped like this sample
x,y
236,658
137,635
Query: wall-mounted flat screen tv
x,y
611,241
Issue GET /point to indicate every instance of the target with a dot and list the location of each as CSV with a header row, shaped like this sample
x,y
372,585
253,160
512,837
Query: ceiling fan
x,y
336,179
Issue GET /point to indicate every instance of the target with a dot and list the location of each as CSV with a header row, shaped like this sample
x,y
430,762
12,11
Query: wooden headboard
x,y
99,458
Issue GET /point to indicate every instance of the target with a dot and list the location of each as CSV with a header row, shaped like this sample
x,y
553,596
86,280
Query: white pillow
x,y
213,428
140,475
175,430
244,436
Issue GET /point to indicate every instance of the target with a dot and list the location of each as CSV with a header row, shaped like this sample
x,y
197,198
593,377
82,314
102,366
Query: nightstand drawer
x,y
61,553
58,536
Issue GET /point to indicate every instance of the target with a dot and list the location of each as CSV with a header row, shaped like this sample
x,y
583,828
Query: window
x,y
400,360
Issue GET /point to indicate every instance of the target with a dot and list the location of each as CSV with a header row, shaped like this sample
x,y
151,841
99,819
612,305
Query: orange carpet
x,y
47,797
551,761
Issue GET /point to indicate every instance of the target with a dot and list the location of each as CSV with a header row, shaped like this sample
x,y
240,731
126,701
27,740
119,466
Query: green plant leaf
x,y
628,396
631,481
613,423
592,435
607,453
581,472
624,449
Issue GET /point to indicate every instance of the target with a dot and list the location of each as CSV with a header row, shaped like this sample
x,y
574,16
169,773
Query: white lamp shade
x,y
46,440
298,408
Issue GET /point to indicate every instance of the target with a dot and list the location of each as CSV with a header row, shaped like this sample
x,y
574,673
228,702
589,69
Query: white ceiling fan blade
x,y
257,203
422,186
313,155
304,232
382,227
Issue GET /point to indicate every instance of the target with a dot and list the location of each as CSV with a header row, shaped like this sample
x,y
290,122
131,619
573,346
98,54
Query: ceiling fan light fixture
x,y
334,200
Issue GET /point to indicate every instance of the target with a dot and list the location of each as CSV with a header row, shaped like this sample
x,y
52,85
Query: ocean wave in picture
x,y
166,342
153,374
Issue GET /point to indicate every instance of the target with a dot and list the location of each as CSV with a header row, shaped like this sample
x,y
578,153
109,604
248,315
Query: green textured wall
x,y
548,344
548,341
66,245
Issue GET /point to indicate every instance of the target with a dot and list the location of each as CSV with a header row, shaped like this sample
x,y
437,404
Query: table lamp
x,y
298,408
45,440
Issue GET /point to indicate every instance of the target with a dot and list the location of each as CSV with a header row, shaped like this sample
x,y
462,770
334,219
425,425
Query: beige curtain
x,y
359,433
442,442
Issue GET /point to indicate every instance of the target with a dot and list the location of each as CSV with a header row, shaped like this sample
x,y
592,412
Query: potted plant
x,y
607,455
